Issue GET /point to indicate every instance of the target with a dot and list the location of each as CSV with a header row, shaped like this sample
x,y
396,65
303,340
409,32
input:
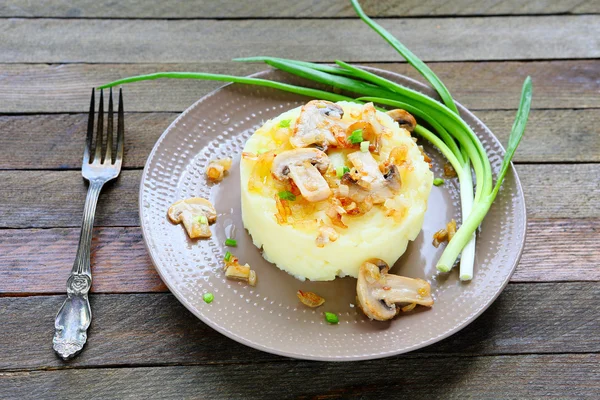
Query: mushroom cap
x,y
194,205
282,161
403,118
373,183
378,291
370,276
316,123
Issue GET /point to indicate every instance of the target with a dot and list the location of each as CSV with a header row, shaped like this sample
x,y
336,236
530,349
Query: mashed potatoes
x,y
327,186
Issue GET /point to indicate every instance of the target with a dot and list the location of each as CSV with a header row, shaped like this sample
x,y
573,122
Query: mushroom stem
x,y
310,182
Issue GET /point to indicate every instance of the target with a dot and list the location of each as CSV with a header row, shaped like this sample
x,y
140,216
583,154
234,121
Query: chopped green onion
x,y
208,297
285,123
341,171
227,256
364,146
262,150
356,136
331,318
230,242
202,219
286,195
438,181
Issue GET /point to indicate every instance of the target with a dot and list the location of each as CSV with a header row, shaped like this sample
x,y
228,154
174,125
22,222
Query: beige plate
x,y
269,316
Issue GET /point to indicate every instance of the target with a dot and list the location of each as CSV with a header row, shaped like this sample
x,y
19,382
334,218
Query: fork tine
x,y
109,130
100,129
120,130
90,132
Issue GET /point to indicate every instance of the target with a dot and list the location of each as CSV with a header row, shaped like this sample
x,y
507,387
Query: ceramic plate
x,y
269,316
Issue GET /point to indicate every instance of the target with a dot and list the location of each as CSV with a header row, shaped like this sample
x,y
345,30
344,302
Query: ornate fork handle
x,y
75,315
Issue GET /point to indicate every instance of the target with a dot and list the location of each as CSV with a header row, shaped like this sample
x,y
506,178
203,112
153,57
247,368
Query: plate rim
x,y
242,340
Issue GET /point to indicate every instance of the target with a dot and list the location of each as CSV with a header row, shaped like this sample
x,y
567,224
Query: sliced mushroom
x,y
371,181
196,214
403,118
304,167
318,124
373,135
379,293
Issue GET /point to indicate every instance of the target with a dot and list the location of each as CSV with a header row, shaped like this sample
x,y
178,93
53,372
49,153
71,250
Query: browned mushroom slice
x,y
372,181
196,214
379,293
317,124
403,118
305,168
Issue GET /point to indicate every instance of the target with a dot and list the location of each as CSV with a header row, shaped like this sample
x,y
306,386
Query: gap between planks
x,y
555,250
289,9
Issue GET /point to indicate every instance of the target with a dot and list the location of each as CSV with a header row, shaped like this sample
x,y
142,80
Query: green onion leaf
x,y
341,170
356,136
409,57
208,297
285,123
287,195
331,318
227,256
230,242
364,146
438,181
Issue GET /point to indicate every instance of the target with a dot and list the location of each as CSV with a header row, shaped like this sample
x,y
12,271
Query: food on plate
x,y
380,293
444,235
235,271
215,171
196,214
310,299
327,185
331,318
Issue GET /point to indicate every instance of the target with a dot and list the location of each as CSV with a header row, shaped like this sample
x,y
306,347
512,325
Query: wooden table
x,y
540,338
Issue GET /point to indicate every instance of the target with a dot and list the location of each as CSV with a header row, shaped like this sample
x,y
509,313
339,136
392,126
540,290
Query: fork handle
x,y
74,317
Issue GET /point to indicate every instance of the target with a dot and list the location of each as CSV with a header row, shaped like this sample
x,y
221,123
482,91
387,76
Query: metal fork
x,y
74,317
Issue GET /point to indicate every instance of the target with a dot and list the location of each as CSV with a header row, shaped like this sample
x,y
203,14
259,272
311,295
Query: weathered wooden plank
x,y
46,199
155,329
40,260
443,39
286,9
51,199
556,250
533,376
560,250
36,88
60,138
552,136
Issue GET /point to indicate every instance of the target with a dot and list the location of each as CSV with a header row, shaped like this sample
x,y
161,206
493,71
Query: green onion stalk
x,y
453,137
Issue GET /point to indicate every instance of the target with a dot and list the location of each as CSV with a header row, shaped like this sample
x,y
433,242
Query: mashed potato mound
x,y
300,236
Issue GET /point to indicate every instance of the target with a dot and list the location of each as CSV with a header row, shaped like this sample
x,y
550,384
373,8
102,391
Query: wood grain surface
x,y
556,250
564,376
126,329
539,339
446,39
45,199
161,9
552,136
42,88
